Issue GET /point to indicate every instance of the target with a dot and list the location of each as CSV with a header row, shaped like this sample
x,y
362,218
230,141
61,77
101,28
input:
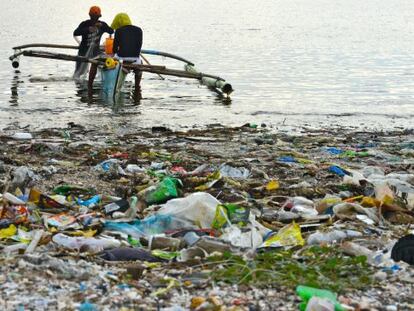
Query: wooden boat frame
x,y
213,82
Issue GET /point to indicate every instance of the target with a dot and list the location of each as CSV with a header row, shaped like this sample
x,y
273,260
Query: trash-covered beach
x,y
220,218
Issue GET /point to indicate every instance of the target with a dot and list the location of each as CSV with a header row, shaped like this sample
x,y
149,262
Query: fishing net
x,y
83,67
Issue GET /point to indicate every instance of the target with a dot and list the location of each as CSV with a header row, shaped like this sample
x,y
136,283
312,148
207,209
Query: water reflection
x,y
124,99
14,94
82,92
222,99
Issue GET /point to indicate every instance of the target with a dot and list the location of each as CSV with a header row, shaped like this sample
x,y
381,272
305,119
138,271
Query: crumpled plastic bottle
x,y
301,206
306,293
332,236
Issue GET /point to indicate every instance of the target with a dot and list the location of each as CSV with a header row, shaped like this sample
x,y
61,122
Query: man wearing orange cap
x,y
91,31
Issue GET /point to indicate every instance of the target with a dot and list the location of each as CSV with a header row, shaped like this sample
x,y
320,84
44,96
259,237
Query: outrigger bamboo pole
x,y
46,45
147,68
59,56
76,47
164,54
169,72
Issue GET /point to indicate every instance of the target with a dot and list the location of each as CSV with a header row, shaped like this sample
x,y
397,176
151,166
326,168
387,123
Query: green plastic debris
x,y
230,214
66,135
306,293
354,154
133,242
163,191
164,254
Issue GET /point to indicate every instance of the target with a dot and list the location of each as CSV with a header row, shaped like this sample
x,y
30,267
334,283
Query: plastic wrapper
x,y
289,235
8,232
227,214
148,226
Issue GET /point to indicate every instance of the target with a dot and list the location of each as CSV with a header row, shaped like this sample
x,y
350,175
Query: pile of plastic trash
x,y
175,201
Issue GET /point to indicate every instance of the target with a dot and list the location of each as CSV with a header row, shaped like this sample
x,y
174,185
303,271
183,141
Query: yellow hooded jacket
x,y
120,20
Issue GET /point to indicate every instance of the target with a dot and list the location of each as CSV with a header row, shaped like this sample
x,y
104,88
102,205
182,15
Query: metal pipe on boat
x,y
210,82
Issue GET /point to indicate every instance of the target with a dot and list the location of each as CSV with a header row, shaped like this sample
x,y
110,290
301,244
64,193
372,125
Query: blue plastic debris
x,y
337,170
334,150
92,201
287,159
87,306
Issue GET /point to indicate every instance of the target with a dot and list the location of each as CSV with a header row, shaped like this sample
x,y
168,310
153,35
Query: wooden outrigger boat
x,y
114,73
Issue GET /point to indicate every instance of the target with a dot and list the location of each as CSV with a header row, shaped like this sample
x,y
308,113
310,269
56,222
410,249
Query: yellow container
x,y
110,63
109,46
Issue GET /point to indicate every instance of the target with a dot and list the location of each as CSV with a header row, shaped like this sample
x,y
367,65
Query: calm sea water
x,y
297,62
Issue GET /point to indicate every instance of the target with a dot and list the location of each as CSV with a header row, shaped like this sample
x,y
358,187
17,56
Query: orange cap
x,y
95,10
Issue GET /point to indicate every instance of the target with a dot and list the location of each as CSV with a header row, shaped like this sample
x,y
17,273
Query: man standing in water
x,y
127,46
91,31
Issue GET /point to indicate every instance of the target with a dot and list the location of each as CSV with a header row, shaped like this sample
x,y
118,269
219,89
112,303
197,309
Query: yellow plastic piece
x,y
289,235
171,284
8,232
388,200
272,185
330,201
220,218
369,202
196,302
304,161
87,233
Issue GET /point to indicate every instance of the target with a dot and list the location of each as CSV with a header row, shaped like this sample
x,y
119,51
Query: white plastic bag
x,y
234,172
93,245
349,209
198,208
248,239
